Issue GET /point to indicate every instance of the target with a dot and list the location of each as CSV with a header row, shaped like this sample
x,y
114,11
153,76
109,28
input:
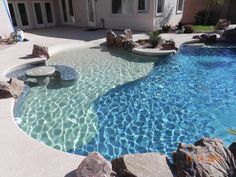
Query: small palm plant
x,y
154,38
232,131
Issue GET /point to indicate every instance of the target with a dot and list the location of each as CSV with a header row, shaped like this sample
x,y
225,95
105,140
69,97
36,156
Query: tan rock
x,y
13,88
40,51
119,41
206,158
128,33
94,165
142,165
110,38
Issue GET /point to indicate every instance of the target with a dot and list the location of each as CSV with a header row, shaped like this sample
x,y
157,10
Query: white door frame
x,y
44,16
70,21
17,14
91,23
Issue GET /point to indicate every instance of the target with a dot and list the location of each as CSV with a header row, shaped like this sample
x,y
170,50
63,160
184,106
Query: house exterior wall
x,y
170,16
141,22
103,11
5,23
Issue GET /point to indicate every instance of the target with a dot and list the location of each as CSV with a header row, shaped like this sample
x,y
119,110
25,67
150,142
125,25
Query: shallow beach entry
x,y
125,103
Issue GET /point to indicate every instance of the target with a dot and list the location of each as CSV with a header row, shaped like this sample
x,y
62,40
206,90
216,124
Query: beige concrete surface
x,y
20,155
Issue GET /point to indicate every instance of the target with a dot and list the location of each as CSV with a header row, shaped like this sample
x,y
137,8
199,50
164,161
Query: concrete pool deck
x,y
22,156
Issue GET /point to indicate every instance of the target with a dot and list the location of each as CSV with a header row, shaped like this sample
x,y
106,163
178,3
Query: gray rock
x,y
12,88
206,158
17,87
129,44
128,33
230,35
142,165
222,24
39,51
119,41
94,165
110,38
232,148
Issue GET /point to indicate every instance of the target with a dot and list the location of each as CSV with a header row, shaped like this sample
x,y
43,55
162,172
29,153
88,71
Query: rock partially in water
x,y
129,45
12,88
232,148
206,158
94,165
110,38
119,41
142,165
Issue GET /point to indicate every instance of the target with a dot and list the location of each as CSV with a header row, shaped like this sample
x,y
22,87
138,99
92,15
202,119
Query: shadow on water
x,y
128,56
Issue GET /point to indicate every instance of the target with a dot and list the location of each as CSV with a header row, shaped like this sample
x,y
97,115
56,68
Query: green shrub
x,y
154,38
231,131
180,26
188,29
165,28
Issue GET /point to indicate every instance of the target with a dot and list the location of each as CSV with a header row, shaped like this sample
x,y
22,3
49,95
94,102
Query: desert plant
x,y
232,131
179,26
188,29
154,38
165,28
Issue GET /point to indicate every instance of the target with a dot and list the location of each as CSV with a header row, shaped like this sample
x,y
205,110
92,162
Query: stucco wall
x,y
169,16
5,24
142,22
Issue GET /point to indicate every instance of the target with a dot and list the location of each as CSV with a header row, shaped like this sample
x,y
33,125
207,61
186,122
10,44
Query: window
x,y
142,6
128,7
160,6
116,6
180,5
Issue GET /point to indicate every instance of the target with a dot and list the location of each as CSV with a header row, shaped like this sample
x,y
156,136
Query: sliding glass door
x,y
67,11
44,14
19,14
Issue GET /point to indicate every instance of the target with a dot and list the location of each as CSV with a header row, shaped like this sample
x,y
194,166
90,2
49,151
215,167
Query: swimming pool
x,y
125,103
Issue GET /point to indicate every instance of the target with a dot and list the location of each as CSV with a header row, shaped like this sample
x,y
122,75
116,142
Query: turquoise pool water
x,y
125,103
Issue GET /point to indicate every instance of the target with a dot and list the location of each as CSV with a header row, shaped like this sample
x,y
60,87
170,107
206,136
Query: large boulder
x,y
119,41
129,44
40,51
232,148
222,24
142,165
128,33
12,88
110,38
230,35
206,158
94,165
